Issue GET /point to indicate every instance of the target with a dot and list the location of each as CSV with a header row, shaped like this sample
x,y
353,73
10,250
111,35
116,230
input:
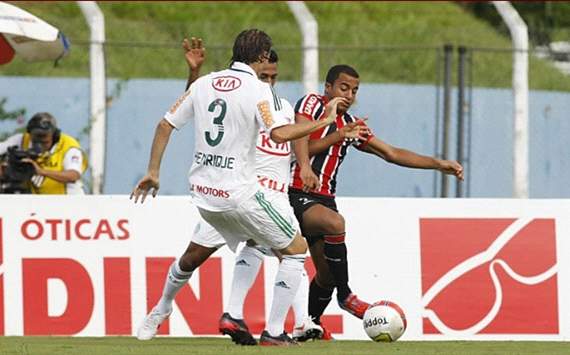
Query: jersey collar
x,y
242,67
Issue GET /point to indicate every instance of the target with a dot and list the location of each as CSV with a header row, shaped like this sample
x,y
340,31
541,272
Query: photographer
x,y
45,161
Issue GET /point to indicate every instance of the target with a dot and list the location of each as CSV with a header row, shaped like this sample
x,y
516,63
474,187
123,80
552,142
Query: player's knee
x,y
188,263
335,225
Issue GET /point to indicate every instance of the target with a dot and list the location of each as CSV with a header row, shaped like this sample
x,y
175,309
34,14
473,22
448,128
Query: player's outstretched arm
x,y
195,54
410,159
150,182
291,132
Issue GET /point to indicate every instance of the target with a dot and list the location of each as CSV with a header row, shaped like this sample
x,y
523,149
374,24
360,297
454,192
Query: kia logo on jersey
x,y
266,145
489,276
226,83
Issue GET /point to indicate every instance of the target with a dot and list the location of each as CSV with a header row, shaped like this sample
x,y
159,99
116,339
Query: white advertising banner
x,y
478,269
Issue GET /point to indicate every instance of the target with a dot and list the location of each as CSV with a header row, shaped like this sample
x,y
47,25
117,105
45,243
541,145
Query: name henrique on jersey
x,y
229,107
325,164
274,159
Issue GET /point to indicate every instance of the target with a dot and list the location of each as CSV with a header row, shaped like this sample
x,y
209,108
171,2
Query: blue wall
x,y
402,115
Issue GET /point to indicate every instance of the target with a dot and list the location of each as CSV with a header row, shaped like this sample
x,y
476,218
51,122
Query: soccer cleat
x,y
307,331
147,330
281,340
354,306
236,329
326,334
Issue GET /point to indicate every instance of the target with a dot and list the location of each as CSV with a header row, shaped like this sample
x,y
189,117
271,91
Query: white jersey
x,y
274,159
228,107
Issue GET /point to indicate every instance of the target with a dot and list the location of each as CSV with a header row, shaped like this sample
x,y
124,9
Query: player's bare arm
x,y
353,130
410,159
150,182
300,129
195,54
301,150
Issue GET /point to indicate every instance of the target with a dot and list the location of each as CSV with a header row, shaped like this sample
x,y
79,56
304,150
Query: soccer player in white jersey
x,y
229,107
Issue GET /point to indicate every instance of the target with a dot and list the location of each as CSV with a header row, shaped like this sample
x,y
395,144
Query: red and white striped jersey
x,y
325,164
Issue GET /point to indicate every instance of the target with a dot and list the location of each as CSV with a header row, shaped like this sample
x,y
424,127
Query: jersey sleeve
x,y
309,106
183,109
73,160
269,112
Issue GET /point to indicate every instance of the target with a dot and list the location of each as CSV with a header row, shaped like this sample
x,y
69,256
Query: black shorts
x,y
302,201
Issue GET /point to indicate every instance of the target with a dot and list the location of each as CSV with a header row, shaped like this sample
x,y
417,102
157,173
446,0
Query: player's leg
x,y
322,220
248,263
205,242
286,286
180,272
305,328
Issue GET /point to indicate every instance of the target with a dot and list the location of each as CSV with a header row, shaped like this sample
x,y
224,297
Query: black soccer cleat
x,y
281,340
236,329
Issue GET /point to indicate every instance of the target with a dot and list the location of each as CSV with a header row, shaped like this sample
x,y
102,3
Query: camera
x,y
17,174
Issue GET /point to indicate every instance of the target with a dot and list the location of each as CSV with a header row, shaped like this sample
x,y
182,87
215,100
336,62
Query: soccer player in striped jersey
x,y
314,204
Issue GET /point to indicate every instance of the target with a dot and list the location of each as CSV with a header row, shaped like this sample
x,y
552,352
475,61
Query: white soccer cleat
x,y
150,324
308,330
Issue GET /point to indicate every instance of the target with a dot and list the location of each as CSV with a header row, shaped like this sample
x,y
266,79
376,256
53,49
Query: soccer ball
x,y
384,321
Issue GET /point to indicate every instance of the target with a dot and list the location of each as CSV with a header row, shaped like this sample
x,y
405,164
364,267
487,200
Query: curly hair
x,y
250,46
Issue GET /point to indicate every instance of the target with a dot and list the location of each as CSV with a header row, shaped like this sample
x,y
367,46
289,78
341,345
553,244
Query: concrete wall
x,y
402,115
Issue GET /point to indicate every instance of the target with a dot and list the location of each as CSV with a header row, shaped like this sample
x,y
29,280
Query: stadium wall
x,y
403,115
477,269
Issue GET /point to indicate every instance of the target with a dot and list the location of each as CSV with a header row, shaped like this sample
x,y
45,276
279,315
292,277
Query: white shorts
x,y
266,217
207,236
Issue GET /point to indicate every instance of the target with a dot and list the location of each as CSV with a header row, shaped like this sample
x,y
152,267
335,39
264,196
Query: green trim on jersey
x,y
276,100
281,222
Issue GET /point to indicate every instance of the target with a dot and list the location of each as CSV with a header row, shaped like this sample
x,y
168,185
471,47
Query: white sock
x,y
286,286
246,268
175,279
301,300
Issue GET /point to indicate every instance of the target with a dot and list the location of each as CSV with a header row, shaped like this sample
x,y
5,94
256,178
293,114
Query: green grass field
x,y
163,346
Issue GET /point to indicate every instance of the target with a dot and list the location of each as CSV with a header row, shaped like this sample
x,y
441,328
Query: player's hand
x,y
194,52
149,183
451,167
309,179
355,130
331,109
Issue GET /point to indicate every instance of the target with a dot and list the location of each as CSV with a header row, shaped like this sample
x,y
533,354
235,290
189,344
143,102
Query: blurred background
x,y
411,57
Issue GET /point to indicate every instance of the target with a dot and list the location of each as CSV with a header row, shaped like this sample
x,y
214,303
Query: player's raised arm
x,y
195,54
410,159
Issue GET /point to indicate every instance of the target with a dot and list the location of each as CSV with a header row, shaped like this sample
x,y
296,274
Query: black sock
x,y
319,299
335,254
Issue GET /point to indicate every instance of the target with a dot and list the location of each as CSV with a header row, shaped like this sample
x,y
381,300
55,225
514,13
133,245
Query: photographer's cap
x,y
41,123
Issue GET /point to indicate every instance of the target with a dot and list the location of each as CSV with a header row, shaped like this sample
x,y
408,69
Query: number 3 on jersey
x,y
218,121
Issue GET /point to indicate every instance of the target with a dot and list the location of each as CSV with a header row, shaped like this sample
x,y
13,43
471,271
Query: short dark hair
x,y
250,45
273,57
335,71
